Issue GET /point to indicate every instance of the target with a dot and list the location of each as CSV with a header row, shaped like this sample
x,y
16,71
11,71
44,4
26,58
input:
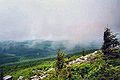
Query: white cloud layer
x,y
75,20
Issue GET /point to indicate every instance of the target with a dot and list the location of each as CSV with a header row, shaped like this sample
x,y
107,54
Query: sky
x,y
74,20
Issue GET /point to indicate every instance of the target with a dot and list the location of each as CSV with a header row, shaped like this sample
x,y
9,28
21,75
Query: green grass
x,y
25,68
27,72
98,68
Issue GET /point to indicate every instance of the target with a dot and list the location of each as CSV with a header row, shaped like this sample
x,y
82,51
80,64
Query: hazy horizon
x,y
73,20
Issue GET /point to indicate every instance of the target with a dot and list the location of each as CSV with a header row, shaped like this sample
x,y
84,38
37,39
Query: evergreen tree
x,y
110,41
59,63
60,60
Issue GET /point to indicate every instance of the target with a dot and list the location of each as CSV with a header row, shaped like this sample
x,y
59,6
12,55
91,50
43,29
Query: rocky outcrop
x,y
36,77
84,58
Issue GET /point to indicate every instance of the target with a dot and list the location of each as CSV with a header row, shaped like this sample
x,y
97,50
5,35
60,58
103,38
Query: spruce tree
x,y
60,60
110,41
59,63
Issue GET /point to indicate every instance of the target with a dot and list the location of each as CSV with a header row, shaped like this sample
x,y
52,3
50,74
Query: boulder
x,y
8,77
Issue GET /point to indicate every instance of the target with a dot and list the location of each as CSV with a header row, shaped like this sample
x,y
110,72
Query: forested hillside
x,y
15,51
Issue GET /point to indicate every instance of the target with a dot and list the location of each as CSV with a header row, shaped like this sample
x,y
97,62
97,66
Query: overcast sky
x,y
75,20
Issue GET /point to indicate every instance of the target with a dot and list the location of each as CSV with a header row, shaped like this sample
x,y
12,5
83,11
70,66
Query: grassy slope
x,y
100,68
25,68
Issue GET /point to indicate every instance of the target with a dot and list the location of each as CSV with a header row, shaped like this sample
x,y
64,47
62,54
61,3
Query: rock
x,y
8,77
42,77
21,78
95,52
50,69
77,60
35,77
82,58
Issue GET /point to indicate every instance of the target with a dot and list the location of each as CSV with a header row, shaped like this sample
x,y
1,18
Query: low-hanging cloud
x,y
74,20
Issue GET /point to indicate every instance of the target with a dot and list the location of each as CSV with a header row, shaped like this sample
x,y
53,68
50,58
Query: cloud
x,y
74,20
